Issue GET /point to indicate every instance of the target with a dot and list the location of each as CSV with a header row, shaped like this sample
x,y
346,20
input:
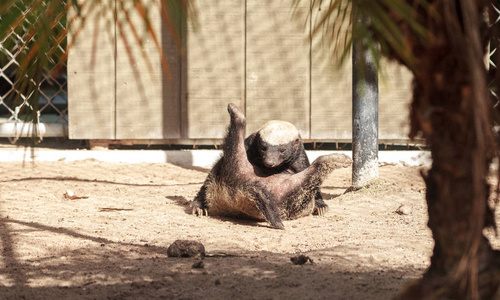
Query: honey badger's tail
x,y
267,205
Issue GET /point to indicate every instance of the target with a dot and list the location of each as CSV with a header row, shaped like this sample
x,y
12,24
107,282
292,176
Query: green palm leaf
x,y
337,28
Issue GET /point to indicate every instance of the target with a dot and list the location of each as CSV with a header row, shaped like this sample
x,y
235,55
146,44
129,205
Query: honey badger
x,y
235,187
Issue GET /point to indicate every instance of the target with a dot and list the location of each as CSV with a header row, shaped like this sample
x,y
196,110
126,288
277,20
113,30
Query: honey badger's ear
x,y
296,143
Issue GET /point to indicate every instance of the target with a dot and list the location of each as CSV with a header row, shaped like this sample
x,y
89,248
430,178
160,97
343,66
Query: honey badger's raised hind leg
x,y
235,162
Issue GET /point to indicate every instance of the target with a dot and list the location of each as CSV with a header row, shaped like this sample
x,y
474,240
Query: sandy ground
x,y
113,243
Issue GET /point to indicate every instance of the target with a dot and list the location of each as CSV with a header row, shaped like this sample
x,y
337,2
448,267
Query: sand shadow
x,y
70,233
71,178
89,273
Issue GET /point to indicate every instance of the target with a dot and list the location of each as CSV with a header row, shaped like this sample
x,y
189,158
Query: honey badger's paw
x,y
198,209
333,161
342,160
320,209
236,114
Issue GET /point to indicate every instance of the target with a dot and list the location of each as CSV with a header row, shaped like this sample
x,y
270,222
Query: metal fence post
x,y
364,114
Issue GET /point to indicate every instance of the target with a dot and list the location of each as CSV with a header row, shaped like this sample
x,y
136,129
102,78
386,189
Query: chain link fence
x,y
53,96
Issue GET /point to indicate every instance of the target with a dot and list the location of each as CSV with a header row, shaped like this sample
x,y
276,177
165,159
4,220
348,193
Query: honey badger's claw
x,y
197,210
278,225
320,211
200,212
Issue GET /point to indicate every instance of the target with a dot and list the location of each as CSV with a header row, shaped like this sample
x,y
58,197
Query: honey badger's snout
x,y
271,164
272,159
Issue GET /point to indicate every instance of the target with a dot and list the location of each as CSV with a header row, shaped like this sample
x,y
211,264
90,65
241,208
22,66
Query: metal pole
x,y
364,115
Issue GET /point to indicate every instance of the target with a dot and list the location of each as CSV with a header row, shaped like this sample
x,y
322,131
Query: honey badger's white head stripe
x,y
278,133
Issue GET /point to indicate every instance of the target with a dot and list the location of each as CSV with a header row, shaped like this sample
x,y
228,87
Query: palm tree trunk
x,y
451,108
463,264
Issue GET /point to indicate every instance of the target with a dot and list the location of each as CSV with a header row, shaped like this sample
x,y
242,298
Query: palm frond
x,y
334,21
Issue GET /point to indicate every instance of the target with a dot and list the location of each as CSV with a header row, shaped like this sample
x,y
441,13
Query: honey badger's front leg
x,y
199,205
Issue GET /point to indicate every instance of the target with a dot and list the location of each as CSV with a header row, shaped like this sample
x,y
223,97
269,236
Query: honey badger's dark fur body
x,y
236,187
